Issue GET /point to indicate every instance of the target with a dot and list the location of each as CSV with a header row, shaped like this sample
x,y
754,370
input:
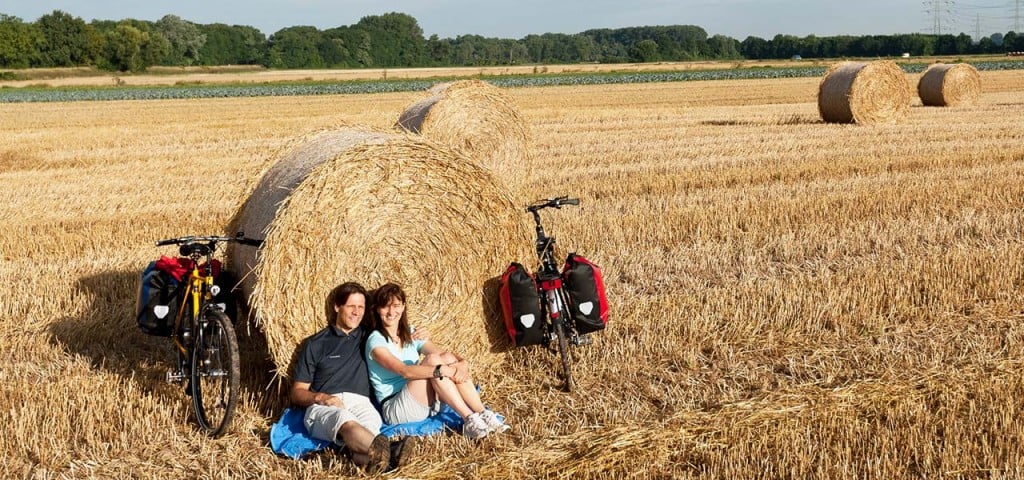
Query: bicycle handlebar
x,y
239,238
556,202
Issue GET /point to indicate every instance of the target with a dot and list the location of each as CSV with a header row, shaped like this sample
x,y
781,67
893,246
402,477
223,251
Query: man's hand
x,y
321,398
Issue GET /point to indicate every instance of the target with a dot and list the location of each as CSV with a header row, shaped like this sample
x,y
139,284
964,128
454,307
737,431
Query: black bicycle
x,y
204,336
559,327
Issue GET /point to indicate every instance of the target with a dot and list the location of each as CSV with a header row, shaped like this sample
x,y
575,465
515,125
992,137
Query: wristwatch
x,y
437,372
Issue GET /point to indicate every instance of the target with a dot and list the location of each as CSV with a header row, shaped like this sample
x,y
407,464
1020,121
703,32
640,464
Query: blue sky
x,y
516,19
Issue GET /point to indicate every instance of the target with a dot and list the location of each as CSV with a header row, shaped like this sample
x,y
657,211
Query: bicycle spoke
x,y
216,373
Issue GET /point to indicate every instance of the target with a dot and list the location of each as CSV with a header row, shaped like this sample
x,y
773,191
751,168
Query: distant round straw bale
x,y
949,85
864,93
375,207
479,119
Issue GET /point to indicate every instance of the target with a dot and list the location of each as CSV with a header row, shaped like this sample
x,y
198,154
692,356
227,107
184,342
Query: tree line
x,y
59,39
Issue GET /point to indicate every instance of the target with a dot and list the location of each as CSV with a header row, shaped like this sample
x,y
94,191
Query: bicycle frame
x,y
198,292
558,325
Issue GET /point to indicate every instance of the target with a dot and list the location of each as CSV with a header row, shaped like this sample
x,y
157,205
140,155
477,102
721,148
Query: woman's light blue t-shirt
x,y
385,382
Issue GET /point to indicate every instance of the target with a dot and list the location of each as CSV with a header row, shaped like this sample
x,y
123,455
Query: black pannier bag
x,y
588,304
226,298
158,301
520,306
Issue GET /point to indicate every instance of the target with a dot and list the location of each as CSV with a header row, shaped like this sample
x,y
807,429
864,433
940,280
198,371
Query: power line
x,y
937,9
1016,16
1008,11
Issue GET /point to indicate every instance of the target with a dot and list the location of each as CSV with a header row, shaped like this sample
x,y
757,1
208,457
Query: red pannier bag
x,y
520,306
588,304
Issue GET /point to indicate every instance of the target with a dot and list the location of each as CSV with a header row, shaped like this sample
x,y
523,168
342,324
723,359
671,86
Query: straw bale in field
x,y
949,85
355,205
479,119
864,93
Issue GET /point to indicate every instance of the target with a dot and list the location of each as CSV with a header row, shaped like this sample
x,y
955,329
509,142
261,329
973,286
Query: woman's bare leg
x,y
465,390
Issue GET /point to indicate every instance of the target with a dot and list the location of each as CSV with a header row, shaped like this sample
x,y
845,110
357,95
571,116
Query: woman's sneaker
x,y
494,422
474,427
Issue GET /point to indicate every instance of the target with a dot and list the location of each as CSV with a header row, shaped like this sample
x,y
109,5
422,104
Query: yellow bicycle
x,y
204,336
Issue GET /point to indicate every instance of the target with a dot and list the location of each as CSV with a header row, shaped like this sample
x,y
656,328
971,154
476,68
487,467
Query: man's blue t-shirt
x,y
386,383
333,362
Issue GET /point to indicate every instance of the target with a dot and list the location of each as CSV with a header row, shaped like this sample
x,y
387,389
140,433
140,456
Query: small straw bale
x,y
479,119
949,85
864,93
375,207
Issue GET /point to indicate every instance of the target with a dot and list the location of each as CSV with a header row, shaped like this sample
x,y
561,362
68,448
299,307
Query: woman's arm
x,y
459,369
386,359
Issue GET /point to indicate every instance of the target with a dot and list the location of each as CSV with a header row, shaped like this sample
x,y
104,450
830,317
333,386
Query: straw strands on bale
x,y
949,85
375,207
480,120
864,92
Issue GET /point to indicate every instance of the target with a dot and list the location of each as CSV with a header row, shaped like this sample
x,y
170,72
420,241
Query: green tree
x,y
364,52
18,42
439,51
333,51
397,39
785,46
296,47
537,48
185,38
155,48
465,52
963,43
65,41
945,45
721,47
1012,42
232,45
755,48
645,51
124,48
584,49
518,54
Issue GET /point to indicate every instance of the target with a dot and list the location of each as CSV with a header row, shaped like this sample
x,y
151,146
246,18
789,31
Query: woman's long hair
x,y
382,296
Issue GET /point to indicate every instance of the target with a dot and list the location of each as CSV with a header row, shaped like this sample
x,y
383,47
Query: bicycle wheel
x,y
563,351
215,372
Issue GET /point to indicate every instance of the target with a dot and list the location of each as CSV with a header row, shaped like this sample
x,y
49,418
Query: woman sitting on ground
x,y
408,387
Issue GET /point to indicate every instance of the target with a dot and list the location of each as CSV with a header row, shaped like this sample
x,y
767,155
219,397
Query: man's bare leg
x,y
358,439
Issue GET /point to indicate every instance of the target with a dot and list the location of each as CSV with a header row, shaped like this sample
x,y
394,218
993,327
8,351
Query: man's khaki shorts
x,y
322,422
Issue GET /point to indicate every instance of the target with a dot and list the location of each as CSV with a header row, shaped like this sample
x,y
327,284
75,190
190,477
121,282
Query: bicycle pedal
x,y
175,376
582,340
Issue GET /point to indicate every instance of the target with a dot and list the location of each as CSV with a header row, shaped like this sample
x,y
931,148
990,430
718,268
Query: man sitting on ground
x,y
332,383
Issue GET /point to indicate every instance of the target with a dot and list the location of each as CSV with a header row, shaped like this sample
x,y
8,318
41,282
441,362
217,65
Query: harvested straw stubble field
x,y
791,299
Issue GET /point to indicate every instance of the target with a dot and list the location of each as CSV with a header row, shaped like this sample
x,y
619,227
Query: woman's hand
x,y
461,372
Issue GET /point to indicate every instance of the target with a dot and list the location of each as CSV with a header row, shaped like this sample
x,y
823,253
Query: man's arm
x,y
303,397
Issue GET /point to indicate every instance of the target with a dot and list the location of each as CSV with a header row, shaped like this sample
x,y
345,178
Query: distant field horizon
x,y
226,74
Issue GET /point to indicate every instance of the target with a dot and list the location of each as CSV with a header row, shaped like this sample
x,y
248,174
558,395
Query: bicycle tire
x,y
215,372
563,350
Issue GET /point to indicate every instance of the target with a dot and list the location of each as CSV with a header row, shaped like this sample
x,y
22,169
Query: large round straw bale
x,y
479,119
375,207
949,85
864,92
